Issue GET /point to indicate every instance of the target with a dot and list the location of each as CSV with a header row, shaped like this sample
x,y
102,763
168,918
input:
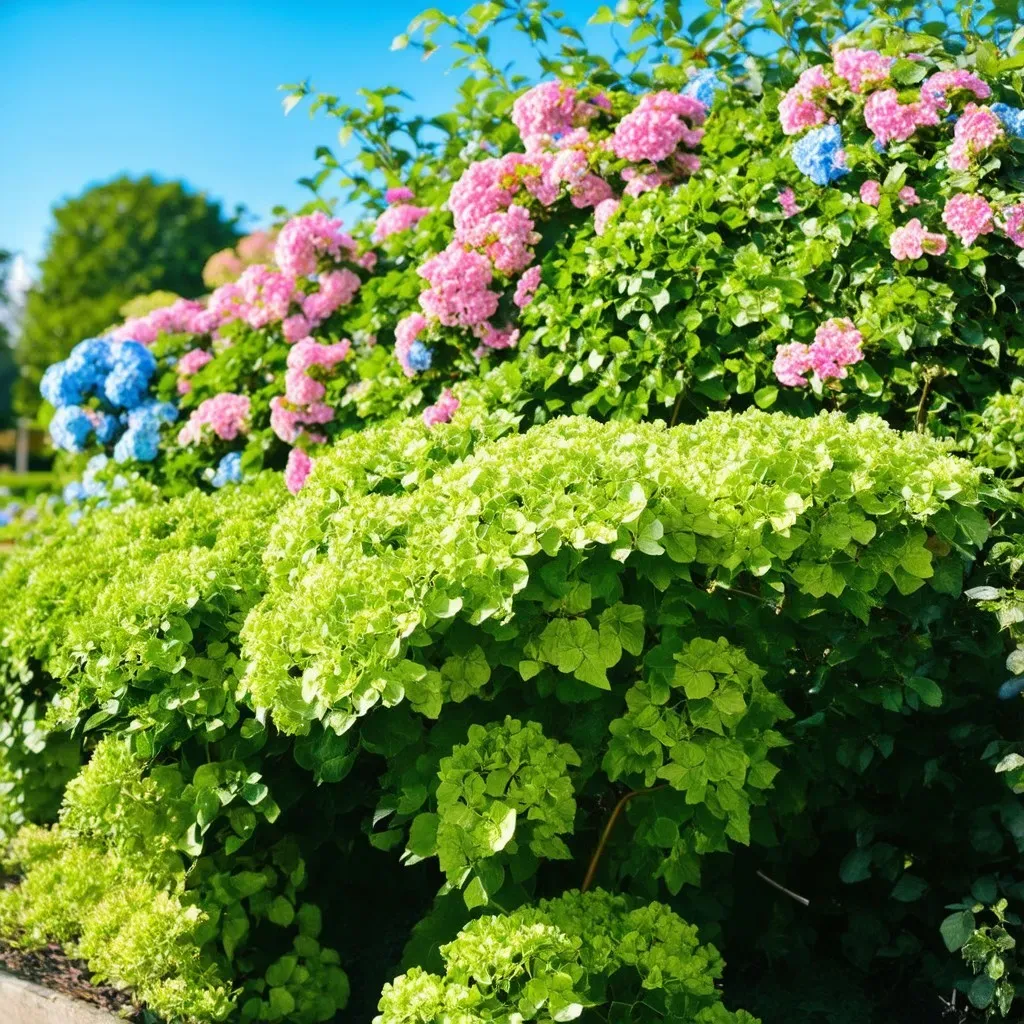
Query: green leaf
x,y
957,929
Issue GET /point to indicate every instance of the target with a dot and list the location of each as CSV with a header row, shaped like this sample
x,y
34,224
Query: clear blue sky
x,y
188,89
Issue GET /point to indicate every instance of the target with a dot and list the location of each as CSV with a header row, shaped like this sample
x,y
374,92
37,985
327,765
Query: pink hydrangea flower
x,y
908,196
603,213
301,389
660,123
399,195
792,364
335,289
799,108
300,465
506,238
497,337
226,415
526,286
837,344
871,192
304,240
395,219
639,182
1013,224
787,200
911,242
861,68
976,129
442,410
968,216
289,422
936,88
891,120
193,361
592,191
408,331
459,293
266,295
543,112
178,318
489,186
308,352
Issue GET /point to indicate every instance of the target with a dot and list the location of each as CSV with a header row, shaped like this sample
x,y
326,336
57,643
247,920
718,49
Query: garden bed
x,y
45,985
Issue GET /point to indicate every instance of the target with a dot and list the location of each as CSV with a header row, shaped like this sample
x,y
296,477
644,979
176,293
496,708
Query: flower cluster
x,y
225,415
97,391
837,344
863,77
571,151
442,410
399,216
302,405
227,265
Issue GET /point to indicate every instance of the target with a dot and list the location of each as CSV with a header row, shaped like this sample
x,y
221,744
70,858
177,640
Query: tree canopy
x,y
117,240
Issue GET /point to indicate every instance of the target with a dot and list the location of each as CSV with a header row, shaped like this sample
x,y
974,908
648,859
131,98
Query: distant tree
x,y
116,241
8,367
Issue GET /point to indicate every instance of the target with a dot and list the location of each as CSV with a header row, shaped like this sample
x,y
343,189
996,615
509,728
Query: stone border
x,y
24,1002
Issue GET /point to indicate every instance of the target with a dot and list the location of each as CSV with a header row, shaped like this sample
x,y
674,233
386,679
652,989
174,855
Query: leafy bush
x,y
605,563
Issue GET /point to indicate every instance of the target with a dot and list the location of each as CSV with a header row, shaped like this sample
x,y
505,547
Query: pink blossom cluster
x,y
407,332
968,216
861,68
801,107
190,363
659,124
938,86
299,466
976,130
225,415
442,410
227,265
912,241
893,121
1013,224
526,286
547,111
908,196
640,182
178,318
837,344
302,405
460,294
787,200
397,218
871,192
603,213
305,240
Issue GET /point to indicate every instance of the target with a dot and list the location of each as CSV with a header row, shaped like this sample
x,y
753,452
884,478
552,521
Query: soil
x,y
52,969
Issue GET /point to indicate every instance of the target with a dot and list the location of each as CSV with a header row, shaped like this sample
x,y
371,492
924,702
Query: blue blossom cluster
x,y
703,86
141,439
88,486
229,470
819,154
9,513
419,357
117,375
1012,118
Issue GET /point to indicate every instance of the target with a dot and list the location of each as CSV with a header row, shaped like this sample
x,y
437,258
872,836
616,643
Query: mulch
x,y
52,969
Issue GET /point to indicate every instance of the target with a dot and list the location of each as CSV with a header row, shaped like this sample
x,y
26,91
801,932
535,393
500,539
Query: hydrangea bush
x,y
606,548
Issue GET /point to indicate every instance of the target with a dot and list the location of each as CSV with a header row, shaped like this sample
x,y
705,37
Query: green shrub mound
x,y
581,956
472,643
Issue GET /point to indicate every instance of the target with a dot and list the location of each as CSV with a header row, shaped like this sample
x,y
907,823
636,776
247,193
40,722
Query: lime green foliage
x,y
506,790
990,950
783,500
121,882
577,957
996,439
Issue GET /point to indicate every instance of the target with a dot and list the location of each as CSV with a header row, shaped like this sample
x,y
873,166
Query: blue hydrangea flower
x,y
703,86
106,427
819,154
70,428
59,387
138,444
91,358
229,470
419,357
7,515
73,492
91,487
150,414
1012,118
132,366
